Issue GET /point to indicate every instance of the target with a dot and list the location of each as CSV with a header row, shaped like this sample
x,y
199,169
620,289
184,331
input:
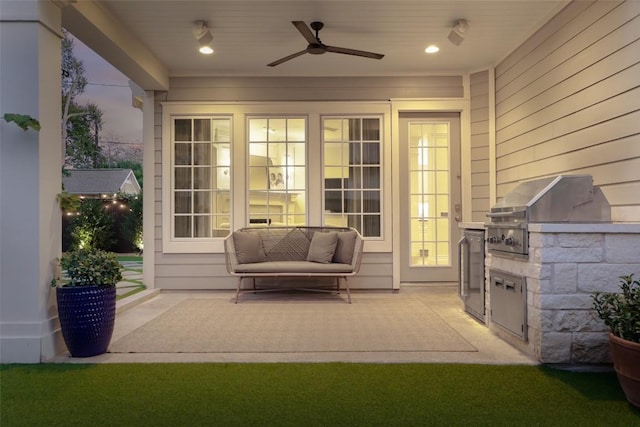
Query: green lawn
x,y
323,394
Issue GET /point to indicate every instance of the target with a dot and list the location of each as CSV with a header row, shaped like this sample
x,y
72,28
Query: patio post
x,y
30,178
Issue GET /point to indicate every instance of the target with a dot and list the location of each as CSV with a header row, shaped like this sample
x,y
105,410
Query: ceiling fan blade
x,y
354,52
287,58
306,32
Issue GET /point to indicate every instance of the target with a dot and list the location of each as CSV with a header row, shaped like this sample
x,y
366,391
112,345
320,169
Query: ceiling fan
x,y
316,47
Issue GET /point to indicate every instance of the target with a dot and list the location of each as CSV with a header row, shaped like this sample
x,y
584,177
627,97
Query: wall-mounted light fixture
x,y
203,35
456,36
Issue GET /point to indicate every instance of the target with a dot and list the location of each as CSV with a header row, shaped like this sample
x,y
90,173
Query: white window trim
x,y
238,113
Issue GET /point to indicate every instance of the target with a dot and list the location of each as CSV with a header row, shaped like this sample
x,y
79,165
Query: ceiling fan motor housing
x,y
316,49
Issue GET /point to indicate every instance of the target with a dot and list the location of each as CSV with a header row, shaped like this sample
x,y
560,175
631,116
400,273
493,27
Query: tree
x,y
81,125
83,130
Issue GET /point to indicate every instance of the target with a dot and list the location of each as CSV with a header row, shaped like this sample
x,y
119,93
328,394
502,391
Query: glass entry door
x,y
430,196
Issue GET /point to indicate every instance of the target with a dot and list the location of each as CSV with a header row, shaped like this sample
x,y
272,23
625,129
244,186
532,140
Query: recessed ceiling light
x,y
432,49
206,50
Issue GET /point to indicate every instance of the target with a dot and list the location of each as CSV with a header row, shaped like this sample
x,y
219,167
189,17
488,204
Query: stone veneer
x,y
567,262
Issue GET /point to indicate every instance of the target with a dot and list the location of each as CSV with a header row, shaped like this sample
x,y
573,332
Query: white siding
x,y
567,101
479,93
313,88
207,271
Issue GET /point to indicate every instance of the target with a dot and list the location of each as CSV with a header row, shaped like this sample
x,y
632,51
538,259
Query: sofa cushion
x,y
345,246
248,246
322,248
292,268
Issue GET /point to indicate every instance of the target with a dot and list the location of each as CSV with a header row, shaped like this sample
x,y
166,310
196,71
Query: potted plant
x,y
621,313
87,300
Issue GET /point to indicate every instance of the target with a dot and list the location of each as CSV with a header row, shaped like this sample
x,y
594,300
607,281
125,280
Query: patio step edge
x,y
136,299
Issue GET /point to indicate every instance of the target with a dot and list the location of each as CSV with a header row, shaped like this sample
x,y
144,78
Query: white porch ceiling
x,y
250,34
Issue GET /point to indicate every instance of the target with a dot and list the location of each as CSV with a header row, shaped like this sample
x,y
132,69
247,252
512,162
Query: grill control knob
x,y
493,240
509,241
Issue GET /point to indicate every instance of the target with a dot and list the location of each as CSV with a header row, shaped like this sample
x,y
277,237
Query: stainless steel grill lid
x,y
564,198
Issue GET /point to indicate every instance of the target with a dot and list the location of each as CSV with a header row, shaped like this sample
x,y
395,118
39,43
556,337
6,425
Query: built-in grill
x,y
560,199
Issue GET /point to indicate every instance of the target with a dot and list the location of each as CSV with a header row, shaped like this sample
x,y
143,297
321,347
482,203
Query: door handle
x,y
462,288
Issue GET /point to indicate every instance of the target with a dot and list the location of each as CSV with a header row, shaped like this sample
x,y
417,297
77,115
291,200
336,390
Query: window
x,y
200,181
352,173
429,189
277,171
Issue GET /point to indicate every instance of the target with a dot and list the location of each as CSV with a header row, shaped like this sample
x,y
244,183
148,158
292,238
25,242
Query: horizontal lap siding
x,y
313,88
207,271
568,102
479,93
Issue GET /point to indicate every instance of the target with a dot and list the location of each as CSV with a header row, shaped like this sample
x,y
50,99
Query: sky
x,y
109,89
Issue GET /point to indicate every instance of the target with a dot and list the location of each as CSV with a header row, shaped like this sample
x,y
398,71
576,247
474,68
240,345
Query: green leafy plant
x,y
23,120
68,202
87,267
93,226
621,311
132,223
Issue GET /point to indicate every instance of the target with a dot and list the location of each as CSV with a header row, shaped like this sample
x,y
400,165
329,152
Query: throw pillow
x,y
322,247
345,247
248,247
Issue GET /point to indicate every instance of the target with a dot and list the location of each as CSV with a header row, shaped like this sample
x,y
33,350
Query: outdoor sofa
x,y
302,251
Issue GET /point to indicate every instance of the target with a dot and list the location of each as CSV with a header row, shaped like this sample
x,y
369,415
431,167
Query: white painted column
x,y
30,178
148,191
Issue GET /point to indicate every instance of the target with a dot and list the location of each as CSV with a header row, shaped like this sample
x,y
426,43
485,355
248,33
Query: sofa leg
x,y
238,290
346,286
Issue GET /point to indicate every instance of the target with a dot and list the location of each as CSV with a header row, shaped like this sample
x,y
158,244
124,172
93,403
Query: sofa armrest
x,y
357,252
231,262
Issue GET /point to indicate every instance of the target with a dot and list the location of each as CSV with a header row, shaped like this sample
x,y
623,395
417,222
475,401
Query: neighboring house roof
x,y
100,181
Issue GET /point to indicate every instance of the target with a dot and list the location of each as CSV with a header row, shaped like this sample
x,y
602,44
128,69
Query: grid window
x,y
429,189
201,177
353,173
277,171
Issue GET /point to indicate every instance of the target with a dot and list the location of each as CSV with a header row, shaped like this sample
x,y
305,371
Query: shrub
x,y
621,311
92,228
87,267
131,226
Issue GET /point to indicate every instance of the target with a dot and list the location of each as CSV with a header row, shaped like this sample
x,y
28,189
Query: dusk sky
x,y
109,89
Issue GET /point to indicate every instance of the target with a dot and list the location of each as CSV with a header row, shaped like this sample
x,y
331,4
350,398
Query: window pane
x,y
183,202
258,129
370,129
183,226
371,177
371,225
355,151
182,178
202,226
371,202
202,154
355,133
182,154
202,202
202,130
258,178
332,129
221,130
371,153
333,201
296,130
277,130
182,130
201,178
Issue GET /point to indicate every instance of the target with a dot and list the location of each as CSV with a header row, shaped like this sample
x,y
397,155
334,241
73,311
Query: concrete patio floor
x,y
136,310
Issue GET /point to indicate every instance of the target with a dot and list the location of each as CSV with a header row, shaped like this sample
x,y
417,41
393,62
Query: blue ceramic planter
x,y
87,317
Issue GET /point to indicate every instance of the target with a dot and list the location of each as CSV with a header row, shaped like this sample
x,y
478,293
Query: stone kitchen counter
x,y
567,263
